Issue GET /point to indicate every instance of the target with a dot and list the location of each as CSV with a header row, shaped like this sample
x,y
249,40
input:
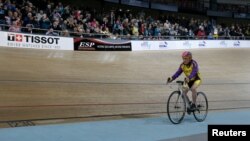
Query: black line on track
x,y
115,83
112,115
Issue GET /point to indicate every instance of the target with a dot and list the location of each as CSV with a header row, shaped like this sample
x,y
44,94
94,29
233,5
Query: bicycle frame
x,y
180,88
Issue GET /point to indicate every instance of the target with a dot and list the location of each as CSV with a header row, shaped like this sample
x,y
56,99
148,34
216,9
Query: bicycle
x,y
178,103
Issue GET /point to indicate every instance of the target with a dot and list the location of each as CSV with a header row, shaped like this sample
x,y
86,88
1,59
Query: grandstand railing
x,y
64,33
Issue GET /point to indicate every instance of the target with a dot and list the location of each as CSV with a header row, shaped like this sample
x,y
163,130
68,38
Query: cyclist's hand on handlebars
x,y
169,80
186,79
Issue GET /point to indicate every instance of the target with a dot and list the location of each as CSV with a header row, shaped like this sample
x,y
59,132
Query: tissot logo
x,y
15,37
19,38
33,39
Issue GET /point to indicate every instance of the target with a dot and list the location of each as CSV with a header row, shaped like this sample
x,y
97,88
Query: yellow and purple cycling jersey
x,y
191,71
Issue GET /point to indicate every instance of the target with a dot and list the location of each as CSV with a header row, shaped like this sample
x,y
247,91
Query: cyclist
x,y
193,79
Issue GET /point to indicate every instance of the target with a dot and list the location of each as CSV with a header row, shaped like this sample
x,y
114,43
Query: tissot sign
x,y
19,40
33,39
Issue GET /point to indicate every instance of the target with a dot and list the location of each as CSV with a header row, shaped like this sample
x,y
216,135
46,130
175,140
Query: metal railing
x,y
66,33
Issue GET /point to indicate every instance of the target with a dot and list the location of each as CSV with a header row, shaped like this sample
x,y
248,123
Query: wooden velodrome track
x,y
48,84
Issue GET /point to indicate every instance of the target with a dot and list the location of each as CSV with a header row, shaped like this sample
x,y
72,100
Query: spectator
x,y
39,15
14,27
2,14
157,29
135,30
45,22
65,33
240,34
210,36
28,29
221,33
215,35
56,25
201,33
105,30
46,15
51,32
191,34
227,33
28,19
117,27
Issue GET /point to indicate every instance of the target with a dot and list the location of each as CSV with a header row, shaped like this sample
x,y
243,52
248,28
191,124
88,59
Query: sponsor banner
x,y
166,45
222,44
143,45
154,45
239,43
91,44
20,40
188,44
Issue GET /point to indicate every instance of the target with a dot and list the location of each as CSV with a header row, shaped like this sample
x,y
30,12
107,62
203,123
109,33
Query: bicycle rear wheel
x,y
176,107
201,111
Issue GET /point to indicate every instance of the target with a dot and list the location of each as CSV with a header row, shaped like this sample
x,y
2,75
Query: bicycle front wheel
x,y
176,107
201,111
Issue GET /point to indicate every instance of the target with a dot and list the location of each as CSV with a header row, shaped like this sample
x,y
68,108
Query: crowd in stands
x,y
57,19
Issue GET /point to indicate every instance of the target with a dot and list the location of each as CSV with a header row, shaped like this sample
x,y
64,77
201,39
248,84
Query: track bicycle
x,y
178,104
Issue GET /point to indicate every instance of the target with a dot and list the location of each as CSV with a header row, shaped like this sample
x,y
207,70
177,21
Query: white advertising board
x,y
20,40
188,44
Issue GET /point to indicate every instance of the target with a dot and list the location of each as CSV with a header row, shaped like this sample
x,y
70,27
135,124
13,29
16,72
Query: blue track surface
x,y
140,129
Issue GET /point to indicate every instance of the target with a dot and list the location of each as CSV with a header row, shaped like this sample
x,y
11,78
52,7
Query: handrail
x,y
4,27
